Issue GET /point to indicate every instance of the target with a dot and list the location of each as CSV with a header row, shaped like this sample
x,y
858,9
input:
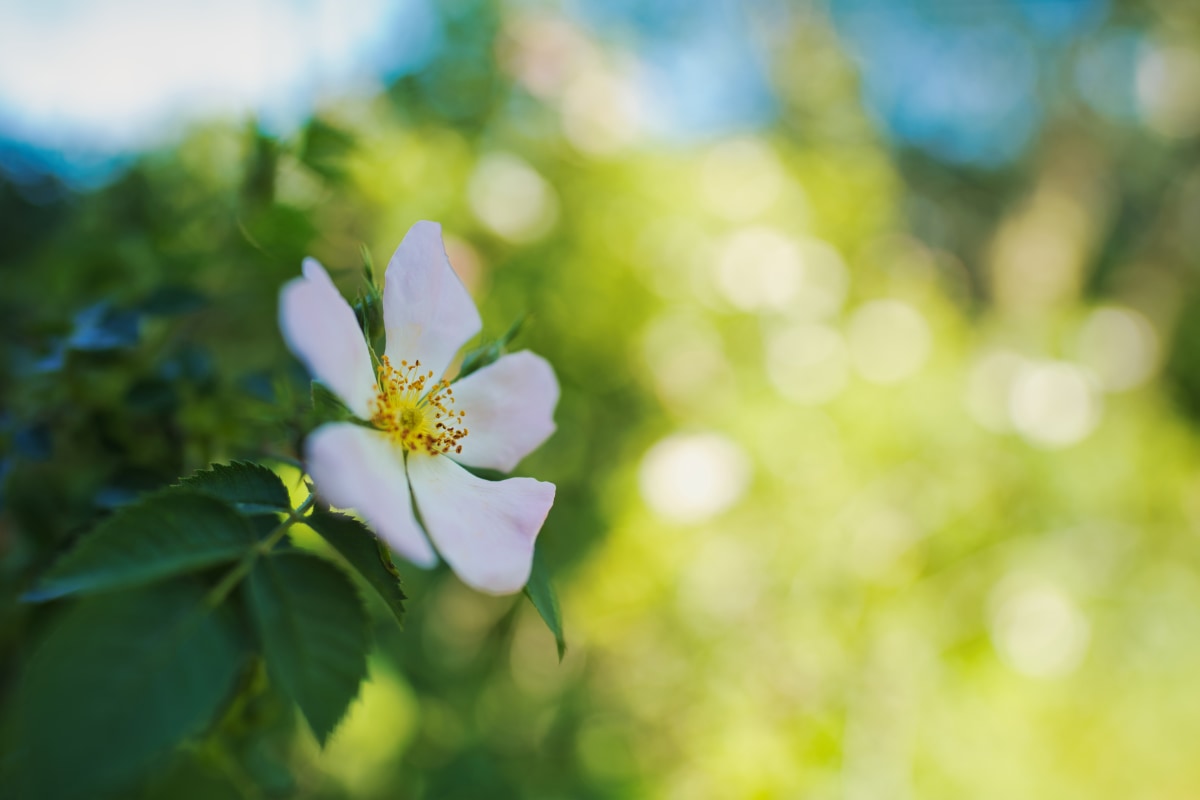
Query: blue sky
x,y
84,84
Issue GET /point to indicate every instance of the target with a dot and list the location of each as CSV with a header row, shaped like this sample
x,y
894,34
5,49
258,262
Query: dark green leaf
x,y
118,682
251,488
166,534
487,473
172,300
258,187
541,593
328,406
488,352
362,550
314,634
278,231
192,777
323,148
259,733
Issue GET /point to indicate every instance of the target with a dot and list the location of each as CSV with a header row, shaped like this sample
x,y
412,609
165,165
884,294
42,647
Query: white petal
x,y
510,410
320,328
484,529
355,467
427,312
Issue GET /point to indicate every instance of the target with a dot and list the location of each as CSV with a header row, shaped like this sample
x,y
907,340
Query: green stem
x,y
243,567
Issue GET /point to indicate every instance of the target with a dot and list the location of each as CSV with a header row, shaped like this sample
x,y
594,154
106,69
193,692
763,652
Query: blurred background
x,y
877,323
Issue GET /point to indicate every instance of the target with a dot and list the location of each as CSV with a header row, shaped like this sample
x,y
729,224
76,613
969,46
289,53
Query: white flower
x,y
425,430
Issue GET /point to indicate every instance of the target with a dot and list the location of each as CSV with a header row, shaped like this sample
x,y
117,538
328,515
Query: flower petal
x,y
427,312
320,328
355,467
510,410
484,529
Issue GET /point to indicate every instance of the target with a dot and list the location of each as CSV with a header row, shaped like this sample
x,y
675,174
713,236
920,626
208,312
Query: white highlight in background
x,y
1120,346
1054,404
1036,628
989,389
510,197
808,363
889,341
693,477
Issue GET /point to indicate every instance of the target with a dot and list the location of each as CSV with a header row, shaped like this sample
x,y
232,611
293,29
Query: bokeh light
x,y
876,326
691,477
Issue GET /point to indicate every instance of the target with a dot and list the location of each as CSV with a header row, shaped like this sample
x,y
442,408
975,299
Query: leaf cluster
x,y
180,614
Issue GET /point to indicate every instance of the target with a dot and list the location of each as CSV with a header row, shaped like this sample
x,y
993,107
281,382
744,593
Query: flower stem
x,y
243,567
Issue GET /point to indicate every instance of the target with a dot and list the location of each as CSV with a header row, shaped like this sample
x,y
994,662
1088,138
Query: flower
x,y
425,429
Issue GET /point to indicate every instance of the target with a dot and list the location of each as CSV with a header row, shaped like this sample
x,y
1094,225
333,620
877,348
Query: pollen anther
x,y
411,408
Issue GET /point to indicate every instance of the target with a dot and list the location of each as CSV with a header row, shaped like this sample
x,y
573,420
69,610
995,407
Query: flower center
x,y
414,410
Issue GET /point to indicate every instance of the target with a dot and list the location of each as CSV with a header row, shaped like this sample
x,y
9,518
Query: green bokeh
x,y
876,477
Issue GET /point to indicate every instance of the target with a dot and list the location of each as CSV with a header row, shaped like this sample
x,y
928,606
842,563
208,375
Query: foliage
x,y
177,645
541,593
314,634
365,553
159,663
911,590
166,535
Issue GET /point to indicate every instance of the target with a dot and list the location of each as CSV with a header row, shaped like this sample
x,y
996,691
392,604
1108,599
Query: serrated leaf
x,y
313,629
118,682
355,542
167,534
489,352
250,488
541,593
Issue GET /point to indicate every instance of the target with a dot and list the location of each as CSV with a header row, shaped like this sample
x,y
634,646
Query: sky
x,y
84,85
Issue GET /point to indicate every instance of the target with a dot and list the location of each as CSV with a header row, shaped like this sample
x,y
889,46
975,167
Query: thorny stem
x,y
243,567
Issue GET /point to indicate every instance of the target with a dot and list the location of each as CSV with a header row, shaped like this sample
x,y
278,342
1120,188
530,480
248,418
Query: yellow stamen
x,y
413,409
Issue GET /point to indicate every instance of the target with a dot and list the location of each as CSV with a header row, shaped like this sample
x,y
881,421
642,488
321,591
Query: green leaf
x,y
314,634
324,148
368,309
118,682
355,542
251,488
369,271
258,186
167,534
172,300
328,406
541,593
191,776
488,352
487,473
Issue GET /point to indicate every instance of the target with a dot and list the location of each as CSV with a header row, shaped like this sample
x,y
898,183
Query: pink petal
x,y
484,529
427,311
320,328
510,410
356,467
